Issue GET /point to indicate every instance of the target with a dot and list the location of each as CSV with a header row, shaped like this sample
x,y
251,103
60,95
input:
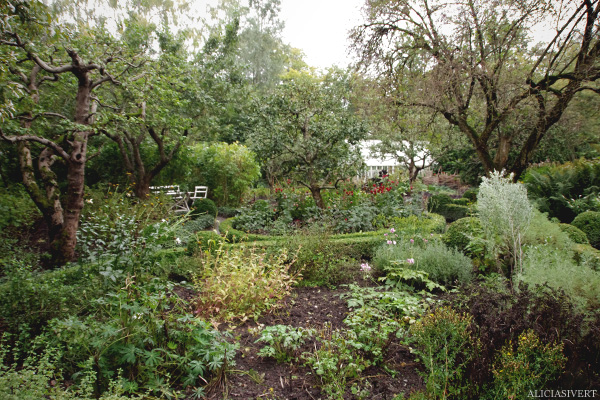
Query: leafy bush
x,y
471,194
437,201
527,365
423,224
227,212
452,212
242,283
444,344
29,298
37,379
336,361
283,342
575,234
505,214
227,169
461,232
589,223
585,254
257,219
144,331
354,219
553,186
442,264
545,265
16,207
204,207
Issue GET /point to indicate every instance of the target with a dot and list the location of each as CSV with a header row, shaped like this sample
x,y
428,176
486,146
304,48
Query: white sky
x,y
320,28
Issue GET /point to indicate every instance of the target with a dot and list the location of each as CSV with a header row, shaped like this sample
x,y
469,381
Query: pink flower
x,y
389,242
412,241
410,260
392,230
365,267
425,240
385,234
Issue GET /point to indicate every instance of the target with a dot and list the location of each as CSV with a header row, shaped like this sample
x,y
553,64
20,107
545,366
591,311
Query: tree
x,y
155,108
39,131
307,122
472,63
407,135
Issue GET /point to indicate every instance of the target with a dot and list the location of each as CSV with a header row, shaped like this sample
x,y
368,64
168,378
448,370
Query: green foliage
x,y
283,342
585,254
336,361
30,298
557,269
204,207
427,256
242,283
16,208
257,219
144,331
575,234
526,367
505,214
461,232
553,187
471,194
437,201
39,378
589,223
444,344
227,169
227,212
423,224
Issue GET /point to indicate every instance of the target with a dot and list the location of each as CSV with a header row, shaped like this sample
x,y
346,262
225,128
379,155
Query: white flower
x,y
163,220
90,201
177,240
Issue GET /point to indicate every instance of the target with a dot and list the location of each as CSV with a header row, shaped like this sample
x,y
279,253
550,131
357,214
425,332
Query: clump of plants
x,y
242,283
283,342
589,223
505,213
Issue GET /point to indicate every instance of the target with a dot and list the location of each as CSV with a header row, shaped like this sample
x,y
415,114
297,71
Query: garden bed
x,y
311,307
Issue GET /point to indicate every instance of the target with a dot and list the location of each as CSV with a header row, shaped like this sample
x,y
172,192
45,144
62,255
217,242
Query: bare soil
x,y
255,377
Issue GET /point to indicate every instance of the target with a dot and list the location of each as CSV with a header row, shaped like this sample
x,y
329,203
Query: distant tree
x,y
307,121
472,63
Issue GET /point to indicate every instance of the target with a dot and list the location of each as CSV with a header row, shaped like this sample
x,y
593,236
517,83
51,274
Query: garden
x,y
187,210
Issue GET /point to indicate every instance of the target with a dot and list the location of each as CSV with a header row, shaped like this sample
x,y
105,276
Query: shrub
x,y
585,254
437,201
471,194
525,366
29,298
423,224
228,212
461,202
16,208
575,234
589,223
144,331
443,342
443,265
283,342
227,169
257,219
452,212
242,283
505,214
545,265
204,207
461,232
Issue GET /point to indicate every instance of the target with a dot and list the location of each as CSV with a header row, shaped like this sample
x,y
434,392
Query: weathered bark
x,y
315,191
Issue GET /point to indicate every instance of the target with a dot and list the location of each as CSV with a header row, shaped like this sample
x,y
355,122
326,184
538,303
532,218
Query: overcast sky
x,y
320,28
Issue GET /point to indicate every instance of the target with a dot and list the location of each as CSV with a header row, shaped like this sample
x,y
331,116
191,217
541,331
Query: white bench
x,y
200,192
181,198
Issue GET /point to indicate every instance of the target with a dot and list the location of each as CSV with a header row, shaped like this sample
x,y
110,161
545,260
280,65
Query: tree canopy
x,y
474,64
